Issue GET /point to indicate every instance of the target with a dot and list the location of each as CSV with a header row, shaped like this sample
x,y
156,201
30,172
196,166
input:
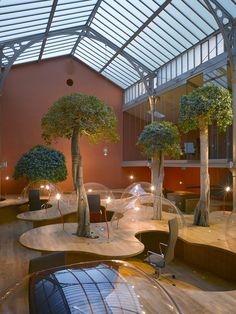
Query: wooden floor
x,y
14,259
195,291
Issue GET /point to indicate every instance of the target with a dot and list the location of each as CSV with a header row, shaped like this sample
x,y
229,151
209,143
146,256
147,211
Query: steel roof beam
x,y
91,33
148,21
54,5
88,23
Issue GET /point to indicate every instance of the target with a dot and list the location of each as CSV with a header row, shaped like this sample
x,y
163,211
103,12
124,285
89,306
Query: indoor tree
x,y
157,140
199,109
72,117
41,163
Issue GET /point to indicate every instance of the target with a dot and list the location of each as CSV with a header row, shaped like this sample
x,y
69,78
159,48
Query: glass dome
x,y
144,210
137,206
46,189
93,188
137,189
128,198
92,287
41,194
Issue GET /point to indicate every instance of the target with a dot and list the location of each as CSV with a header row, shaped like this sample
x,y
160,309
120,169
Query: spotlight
x,y
105,151
227,189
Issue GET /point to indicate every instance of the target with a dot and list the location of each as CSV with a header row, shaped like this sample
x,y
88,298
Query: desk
x,y
122,242
180,197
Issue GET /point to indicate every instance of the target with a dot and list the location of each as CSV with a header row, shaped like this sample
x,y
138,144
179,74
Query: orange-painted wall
x,y
29,91
181,179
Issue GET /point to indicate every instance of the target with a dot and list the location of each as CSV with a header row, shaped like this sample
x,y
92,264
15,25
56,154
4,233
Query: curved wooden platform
x,y
49,215
199,245
12,200
53,214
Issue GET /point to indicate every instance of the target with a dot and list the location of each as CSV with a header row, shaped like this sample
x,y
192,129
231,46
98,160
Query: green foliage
x,y
211,103
87,114
41,163
160,136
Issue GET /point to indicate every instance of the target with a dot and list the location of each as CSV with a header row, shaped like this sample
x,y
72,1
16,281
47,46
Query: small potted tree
x,y
198,110
72,117
40,163
157,140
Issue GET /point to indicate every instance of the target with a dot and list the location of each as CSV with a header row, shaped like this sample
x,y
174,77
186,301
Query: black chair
x,y
34,199
95,209
159,261
47,261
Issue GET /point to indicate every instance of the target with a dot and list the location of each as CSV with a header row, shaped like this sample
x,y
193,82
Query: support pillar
x,y
233,169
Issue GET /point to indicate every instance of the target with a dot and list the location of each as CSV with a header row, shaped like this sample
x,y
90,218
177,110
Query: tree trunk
x,y
201,212
157,181
83,229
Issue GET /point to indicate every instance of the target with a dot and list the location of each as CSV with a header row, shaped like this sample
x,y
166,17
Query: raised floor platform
x,y
205,247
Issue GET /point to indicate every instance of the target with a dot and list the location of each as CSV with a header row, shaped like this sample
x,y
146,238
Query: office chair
x,y
160,260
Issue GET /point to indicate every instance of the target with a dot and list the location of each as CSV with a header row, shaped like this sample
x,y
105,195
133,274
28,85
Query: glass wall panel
x,y
184,62
191,59
205,51
212,47
197,55
179,65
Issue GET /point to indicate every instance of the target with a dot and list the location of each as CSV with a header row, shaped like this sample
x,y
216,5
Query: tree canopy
x,y
160,136
41,163
87,114
209,102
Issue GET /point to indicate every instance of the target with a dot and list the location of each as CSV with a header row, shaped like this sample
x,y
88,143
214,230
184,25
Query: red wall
x,y
29,91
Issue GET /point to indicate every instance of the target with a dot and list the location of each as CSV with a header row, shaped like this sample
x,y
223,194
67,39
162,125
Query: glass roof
x,y
147,33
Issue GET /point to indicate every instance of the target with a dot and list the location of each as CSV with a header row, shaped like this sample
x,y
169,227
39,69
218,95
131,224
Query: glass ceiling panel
x,y
181,24
115,79
87,61
200,10
57,53
19,18
124,69
91,57
230,6
108,30
143,56
96,49
71,13
62,43
118,20
122,64
30,54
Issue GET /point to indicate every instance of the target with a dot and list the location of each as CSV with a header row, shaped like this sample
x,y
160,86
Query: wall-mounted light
x,y
131,177
105,151
7,178
180,182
